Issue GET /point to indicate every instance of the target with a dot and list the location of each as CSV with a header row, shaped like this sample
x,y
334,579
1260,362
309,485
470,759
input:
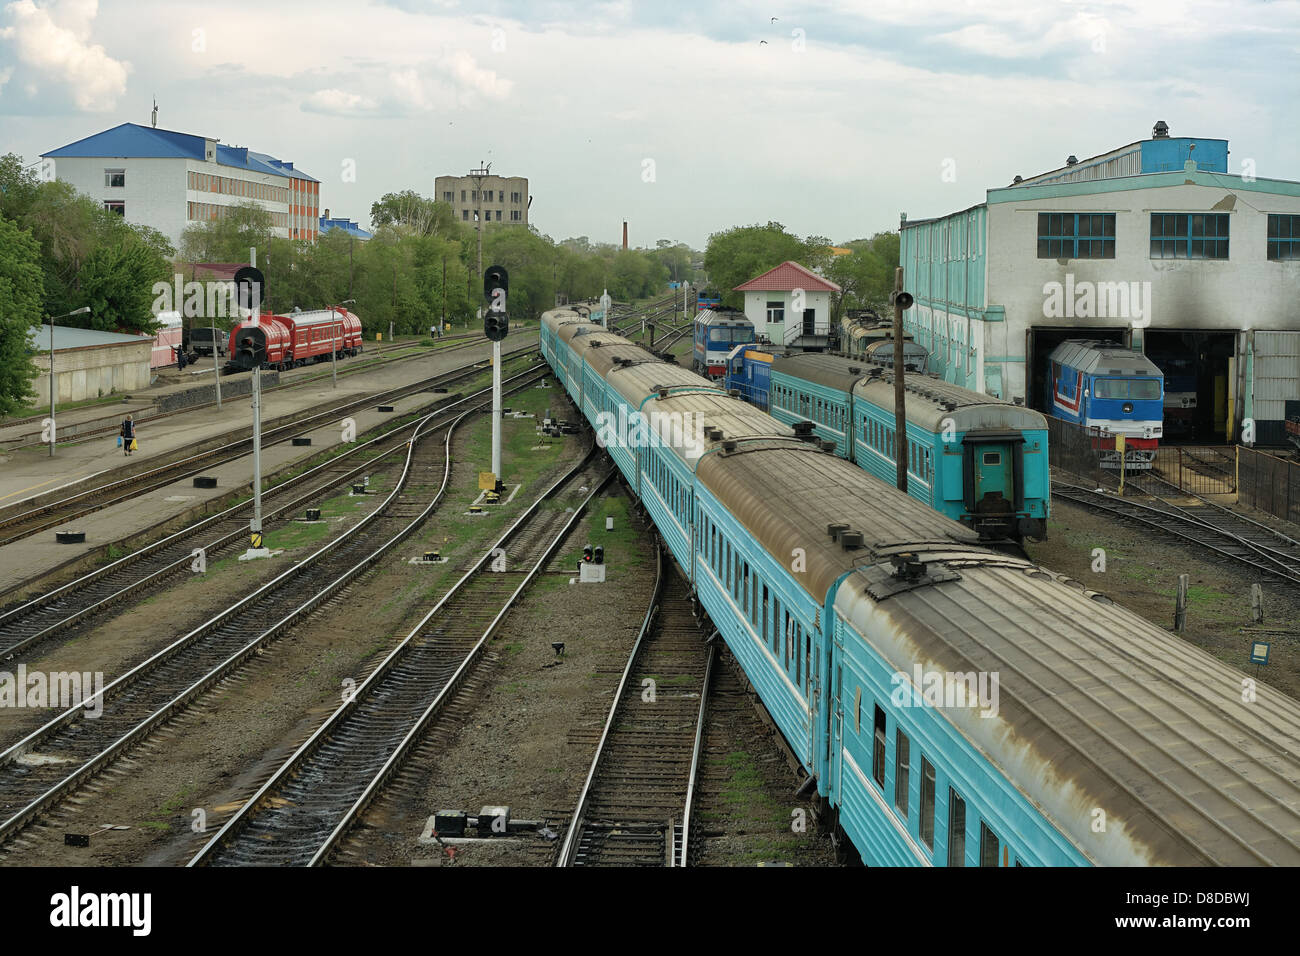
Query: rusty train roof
x,y
1101,710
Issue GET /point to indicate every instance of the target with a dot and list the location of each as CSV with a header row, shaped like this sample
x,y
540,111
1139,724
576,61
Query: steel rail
x,y
1176,524
176,470
8,618
695,757
230,830
145,726
570,845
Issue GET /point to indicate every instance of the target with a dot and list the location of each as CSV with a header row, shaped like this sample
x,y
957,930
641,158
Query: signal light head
x,y
587,553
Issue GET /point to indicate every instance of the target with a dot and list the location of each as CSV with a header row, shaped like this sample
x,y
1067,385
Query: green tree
x,y
246,225
423,217
738,254
20,312
117,282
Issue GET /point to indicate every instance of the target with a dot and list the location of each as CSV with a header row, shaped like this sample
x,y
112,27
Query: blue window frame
x,y
1283,237
1189,235
1076,235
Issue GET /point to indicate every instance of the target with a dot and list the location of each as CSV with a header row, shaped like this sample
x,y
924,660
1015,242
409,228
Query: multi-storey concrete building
x,y
1157,244
505,198
171,180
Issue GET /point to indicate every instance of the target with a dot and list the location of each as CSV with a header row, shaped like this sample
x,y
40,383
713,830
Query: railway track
x,y
1205,524
58,611
113,423
56,759
309,804
636,805
21,524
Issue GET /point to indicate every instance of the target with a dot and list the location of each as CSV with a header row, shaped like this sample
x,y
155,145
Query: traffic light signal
x,y
598,555
496,321
586,554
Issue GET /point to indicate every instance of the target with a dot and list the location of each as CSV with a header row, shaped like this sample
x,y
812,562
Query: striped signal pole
x,y
901,300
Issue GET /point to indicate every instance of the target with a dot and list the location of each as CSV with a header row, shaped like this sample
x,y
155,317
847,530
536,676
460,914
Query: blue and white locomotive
x,y
717,332
972,457
953,705
1117,391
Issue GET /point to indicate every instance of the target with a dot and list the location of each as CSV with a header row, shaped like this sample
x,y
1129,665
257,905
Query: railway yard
x,y
416,677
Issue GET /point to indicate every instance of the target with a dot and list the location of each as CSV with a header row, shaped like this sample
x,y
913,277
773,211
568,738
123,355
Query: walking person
x,y
128,436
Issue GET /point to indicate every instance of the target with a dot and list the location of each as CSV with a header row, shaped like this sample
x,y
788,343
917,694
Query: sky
x,y
831,118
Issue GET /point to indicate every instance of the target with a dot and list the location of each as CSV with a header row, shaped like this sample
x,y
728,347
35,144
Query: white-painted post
x,y
1257,603
496,411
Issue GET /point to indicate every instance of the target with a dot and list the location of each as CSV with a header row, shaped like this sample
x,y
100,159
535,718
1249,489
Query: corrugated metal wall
x,y
1276,380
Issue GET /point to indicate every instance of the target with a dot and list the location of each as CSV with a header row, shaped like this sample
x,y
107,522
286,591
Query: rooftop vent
x,y
729,445
855,370
835,530
907,566
1018,179
733,392
1072,160
663,393
1160,130
851,540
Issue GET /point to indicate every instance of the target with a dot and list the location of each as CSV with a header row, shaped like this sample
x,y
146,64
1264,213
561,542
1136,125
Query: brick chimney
x,y
624,233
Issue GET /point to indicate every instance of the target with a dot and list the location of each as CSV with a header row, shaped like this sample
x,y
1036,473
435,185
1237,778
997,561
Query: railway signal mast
x,y
249,286
900,300
496,326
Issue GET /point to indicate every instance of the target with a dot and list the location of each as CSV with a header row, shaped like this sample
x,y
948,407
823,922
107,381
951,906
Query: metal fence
x,y
1200,470
1072,448
1269,483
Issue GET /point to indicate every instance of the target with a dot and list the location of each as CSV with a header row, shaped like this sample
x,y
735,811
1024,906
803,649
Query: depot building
x,y
1164,245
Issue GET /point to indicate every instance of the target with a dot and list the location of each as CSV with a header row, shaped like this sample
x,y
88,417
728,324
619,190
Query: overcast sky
x,y
830,117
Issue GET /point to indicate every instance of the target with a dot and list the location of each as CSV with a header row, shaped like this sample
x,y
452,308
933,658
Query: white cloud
x,y
339,103
55,41
472,78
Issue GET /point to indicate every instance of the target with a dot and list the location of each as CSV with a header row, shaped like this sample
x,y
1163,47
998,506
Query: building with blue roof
x,y
170,180
346,226
1165,245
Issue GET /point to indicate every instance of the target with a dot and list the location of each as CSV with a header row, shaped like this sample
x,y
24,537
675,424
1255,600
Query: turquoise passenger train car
x,y
972,457
949,703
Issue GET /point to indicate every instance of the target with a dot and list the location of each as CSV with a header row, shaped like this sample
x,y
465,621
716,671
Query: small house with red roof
x,y
791,305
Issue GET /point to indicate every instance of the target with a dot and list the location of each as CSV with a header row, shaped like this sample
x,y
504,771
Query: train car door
x,y
993,470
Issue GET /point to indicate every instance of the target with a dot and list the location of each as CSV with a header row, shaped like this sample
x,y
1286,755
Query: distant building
x,y
89,363
505,198
169,180
791,305
346,226
1156,245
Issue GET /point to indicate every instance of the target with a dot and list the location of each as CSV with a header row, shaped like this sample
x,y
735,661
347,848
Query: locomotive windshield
x,y
1139,388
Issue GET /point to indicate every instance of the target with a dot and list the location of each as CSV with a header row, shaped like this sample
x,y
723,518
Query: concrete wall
x,y
94,371
1243,292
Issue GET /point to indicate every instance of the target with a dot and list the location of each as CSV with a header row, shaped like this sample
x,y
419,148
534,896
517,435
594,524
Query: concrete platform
x,y
30,473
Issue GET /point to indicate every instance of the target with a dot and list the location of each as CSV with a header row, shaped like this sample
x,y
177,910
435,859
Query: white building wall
x,y
1244,292
156,193
756,312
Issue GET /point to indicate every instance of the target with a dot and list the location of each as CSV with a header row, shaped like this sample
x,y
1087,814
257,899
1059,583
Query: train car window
x,y
857,711
927,803
745,604
988,846
776,624
902,746
956,829
798,643
766,639
878,748
785,639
